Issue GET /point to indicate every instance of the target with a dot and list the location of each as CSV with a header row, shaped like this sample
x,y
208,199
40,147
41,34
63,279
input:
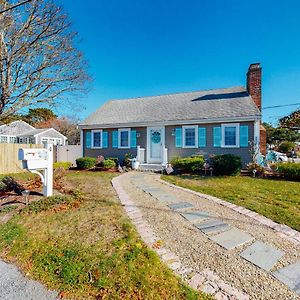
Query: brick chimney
x,y
254,83
254,90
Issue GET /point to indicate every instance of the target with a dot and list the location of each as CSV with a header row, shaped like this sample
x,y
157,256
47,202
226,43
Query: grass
x,y
84,246
19,176
278,200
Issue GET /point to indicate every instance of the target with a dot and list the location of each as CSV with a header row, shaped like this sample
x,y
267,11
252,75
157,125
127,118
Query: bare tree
x,y
39,62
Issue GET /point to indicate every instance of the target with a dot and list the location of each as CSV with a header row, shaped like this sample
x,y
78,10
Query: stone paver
x,y
231,238
290,276
180,205
212,226
193,252
262,255
196,215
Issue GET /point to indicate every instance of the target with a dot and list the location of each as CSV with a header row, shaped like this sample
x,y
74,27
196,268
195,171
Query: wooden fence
x,y
9,160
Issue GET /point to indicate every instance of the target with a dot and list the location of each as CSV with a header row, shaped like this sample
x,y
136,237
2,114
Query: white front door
x,y
155,144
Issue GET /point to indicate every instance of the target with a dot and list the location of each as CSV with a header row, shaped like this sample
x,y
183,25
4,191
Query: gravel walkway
x,y
15,286
200,254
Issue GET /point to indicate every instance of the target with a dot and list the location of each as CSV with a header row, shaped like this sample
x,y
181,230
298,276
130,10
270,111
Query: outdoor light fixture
x,y
26,193
138,134
173,132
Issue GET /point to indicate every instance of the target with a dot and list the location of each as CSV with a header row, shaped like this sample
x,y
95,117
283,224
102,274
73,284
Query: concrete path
x,y
15,286
216,248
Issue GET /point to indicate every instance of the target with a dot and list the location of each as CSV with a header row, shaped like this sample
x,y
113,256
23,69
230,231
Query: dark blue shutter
x,y
178,137
115,139
133,138
104,139
202,137
244,136
88,136
217,136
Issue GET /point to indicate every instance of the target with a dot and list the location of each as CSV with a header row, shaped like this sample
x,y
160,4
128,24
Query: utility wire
x,y
276,106
14,6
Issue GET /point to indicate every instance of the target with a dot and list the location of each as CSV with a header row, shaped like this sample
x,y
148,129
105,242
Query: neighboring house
x,y
156,129
23,133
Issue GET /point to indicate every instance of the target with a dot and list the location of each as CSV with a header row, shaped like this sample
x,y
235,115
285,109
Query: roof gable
x,y
15,128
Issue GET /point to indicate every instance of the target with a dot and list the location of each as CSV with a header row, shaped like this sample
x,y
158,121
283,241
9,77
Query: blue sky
x,y
149,47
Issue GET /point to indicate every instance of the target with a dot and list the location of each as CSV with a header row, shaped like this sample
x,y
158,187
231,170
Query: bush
x,y
127,160
188,164
289,170
108,164
286,147
62,164
84,163
227,164
115,159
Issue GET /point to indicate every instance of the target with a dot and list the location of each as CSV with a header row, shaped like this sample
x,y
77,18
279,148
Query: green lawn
x,y
85,247
278,200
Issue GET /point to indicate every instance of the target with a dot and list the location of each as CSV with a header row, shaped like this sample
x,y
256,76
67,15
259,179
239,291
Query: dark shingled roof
x,y
209,104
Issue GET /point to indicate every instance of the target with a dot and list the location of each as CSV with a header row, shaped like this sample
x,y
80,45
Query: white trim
x,y
237,136
119,138
175,122
257,135
162,128
47,129
196,136
92,138
81,142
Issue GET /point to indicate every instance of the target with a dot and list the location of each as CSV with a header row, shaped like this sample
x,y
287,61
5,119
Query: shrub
x,y
108,164
289,170
286,147
127,160
62,164
115,159
227,164
188,164
85,163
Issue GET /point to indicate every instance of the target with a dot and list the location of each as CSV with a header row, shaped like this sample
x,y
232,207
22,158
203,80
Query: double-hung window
x,y
230,135
124,138
190,136
96,139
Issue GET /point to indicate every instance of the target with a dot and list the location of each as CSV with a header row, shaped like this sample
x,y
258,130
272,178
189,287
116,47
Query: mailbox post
x,y
40,162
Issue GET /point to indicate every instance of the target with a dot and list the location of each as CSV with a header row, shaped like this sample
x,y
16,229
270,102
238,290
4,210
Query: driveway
x,y
15,286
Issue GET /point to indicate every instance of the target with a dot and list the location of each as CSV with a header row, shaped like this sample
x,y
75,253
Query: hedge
x,y
62,164
289,170
227,164
85,162
108,164
188,164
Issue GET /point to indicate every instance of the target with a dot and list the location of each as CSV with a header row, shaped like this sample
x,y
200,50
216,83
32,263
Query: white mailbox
x,y
40,161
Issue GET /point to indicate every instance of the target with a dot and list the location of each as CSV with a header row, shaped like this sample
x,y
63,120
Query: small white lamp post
x,y
26,193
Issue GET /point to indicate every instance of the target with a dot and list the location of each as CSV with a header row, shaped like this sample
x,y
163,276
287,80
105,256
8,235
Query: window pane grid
x,y
97,139
124,138
190,137
230,136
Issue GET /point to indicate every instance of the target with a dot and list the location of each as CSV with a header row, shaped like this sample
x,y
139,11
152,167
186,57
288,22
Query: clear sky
x,y
150,47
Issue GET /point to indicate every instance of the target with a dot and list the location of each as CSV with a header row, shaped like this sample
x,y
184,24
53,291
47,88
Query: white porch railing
x,y
165,156
140,154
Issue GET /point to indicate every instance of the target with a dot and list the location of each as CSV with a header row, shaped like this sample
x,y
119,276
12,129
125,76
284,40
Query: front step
x,y
150,167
